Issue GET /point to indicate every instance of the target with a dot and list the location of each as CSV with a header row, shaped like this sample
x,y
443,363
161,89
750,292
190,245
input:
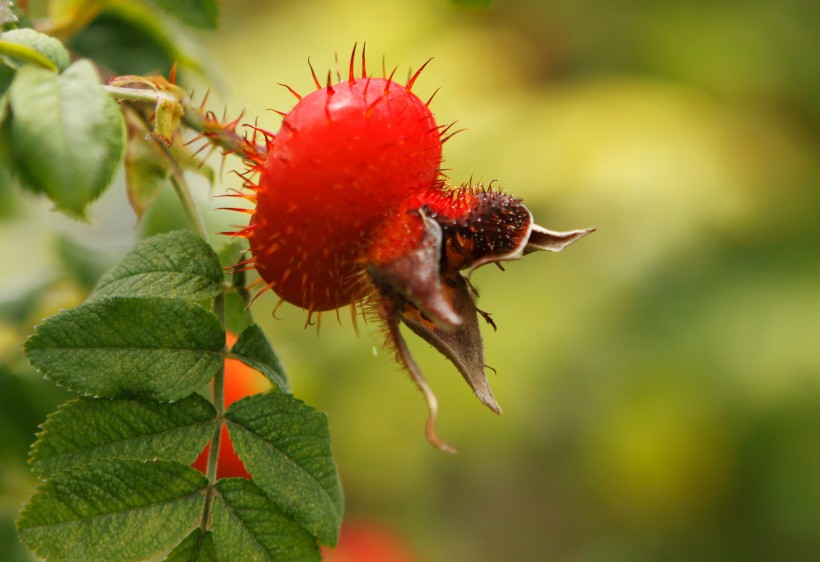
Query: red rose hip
x,y
344,159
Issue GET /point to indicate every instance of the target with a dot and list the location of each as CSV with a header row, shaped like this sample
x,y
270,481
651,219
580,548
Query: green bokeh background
x,y
660,379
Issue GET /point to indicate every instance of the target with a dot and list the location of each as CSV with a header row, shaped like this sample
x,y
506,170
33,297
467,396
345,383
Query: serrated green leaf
x,y
68,121
125,510
197,547
254,350
150,348
248,526
177,265
86,430
194,13
285,445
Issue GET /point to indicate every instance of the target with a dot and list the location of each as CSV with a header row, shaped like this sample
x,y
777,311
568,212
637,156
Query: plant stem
x,y
218,398
140,95
192,214
197,224
203,122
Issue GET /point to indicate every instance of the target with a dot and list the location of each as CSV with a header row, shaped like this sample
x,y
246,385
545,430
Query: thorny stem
x,y
225,138
197,225
196,119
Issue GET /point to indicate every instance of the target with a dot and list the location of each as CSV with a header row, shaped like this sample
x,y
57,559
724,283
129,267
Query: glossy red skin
x,y
340,166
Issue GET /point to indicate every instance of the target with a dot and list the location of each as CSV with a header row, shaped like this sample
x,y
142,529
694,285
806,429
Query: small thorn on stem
x,y
364,67
330,89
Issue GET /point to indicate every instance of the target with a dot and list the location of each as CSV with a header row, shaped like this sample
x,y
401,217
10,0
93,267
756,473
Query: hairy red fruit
x,y
344,159
352,208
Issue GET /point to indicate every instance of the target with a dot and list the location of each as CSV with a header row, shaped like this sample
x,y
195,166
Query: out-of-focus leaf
x,y
69,122
82,263
285,445
129,38
473,3
253,349
194,13
48,47
24,401
124,510
6,76
86,430
197,547
177,265
157,349
123,47
247,525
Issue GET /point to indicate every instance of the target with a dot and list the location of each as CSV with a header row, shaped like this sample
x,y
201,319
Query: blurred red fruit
x,y
240,381
362,541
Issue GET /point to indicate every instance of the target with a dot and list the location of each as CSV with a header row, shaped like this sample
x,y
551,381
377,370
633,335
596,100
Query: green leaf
x,y
157,349
254,350
125,510
197,547
248,526
285,445
129,38
47,47
194,13
69,122
177,265
86,430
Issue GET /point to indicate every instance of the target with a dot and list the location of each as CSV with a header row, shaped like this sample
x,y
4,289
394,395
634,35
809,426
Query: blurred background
x,y
660,379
